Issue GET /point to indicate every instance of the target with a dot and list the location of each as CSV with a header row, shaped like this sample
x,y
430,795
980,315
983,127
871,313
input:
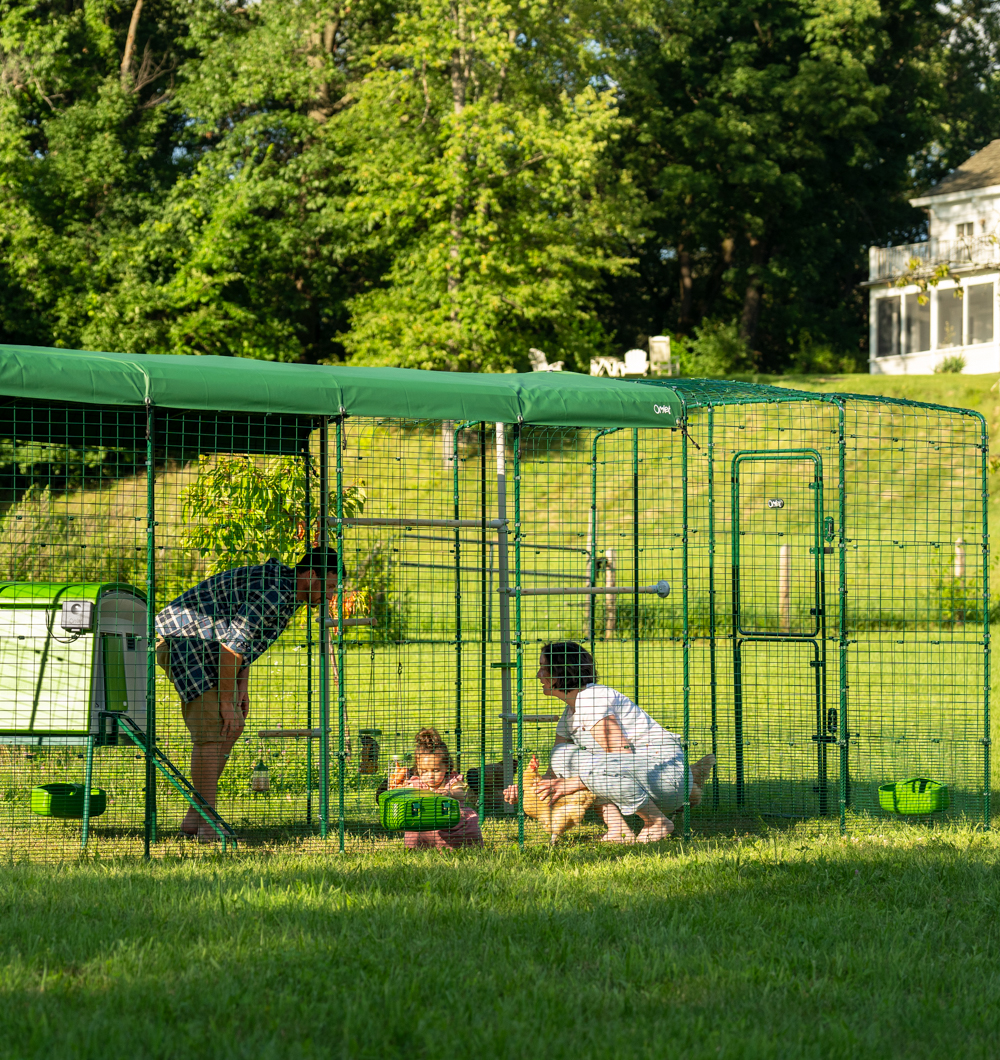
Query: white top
x,y
596,702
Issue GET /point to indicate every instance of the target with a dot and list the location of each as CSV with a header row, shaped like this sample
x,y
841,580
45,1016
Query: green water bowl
x,y
66,800
916,795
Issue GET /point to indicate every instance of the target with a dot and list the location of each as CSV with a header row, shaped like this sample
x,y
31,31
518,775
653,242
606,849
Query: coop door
x,y
783,733
777,543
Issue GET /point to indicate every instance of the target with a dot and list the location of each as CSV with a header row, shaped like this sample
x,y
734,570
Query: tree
x,y
780,139
477,156
89,144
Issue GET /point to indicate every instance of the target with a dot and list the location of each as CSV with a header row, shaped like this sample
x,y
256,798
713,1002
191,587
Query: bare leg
x,y
618,829
655,825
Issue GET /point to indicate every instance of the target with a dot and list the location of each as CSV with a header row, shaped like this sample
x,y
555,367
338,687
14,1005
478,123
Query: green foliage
x,y
716,350
953,365
822,359
251,510
446,185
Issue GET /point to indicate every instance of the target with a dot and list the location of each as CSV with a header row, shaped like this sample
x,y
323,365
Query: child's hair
x,y
429,742
569,664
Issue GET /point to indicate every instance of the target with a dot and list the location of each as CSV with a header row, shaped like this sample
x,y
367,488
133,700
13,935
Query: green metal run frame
x,y
699,423
512,644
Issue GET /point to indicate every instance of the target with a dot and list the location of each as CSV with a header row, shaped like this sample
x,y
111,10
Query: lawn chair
x,y
539,362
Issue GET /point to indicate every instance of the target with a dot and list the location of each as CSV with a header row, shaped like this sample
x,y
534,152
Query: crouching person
x,y
211,635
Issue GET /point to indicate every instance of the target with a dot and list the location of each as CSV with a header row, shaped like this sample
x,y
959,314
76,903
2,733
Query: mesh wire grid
x,y
826,631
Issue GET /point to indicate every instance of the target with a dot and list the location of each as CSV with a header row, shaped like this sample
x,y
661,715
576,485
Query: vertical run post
x,y
635,564
503,591
88,777
518,646
713,684
149,833
593,537
842,730
458,595
458,603
341,689
307,540
984,447
686,627
482,622
324,634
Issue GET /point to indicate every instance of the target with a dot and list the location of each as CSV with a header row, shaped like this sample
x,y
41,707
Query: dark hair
x,y
429,742
315,558
569,664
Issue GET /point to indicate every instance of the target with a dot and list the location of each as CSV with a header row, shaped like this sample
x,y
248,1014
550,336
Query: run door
x,y
782,727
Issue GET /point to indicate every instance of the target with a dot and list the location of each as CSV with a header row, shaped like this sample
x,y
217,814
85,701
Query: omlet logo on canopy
x,y
661,409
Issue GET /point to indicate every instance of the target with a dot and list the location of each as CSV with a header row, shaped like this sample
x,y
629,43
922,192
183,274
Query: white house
x,y
960,315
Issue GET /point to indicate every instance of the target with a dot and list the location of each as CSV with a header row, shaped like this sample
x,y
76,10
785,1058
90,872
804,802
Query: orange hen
x,y
558,817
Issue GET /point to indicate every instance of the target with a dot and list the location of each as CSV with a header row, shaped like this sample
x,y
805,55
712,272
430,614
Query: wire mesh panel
x,y
792,585
73,626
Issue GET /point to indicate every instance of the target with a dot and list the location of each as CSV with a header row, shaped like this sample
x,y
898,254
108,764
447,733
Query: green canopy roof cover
x,y
234,384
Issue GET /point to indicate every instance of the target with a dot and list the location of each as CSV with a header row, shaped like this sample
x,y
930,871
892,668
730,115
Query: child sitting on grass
x,y
433,773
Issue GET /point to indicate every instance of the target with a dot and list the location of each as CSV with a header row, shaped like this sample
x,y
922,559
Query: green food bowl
x,y
917,795
66,800
417,811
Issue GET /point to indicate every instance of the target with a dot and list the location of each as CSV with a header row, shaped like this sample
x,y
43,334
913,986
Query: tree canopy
x,y
448,183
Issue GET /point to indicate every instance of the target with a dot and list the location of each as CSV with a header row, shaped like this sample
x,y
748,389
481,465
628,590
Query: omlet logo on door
x,y
661,409
775,502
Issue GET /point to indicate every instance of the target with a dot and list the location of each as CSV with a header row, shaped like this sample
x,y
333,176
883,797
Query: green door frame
x,y
826,722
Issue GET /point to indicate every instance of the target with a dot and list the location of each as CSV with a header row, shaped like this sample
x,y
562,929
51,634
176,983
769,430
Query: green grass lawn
x,y
794,945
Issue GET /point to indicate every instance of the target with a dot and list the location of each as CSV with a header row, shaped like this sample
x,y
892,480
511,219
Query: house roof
x,y
982,170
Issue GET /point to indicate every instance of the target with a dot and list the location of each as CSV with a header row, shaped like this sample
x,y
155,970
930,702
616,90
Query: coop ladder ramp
x,y
177,778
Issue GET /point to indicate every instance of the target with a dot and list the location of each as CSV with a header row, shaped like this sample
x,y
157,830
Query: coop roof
x,y
240,385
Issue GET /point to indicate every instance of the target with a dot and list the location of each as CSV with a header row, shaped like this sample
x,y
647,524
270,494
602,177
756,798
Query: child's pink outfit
x,y
464,834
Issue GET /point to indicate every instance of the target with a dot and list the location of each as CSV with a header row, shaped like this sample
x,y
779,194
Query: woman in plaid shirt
x,y
209,637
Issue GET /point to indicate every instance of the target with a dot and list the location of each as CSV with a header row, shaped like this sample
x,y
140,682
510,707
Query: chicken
x,y
560,816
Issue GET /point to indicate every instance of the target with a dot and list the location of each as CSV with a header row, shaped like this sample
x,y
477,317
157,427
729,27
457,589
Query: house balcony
x,y
887,264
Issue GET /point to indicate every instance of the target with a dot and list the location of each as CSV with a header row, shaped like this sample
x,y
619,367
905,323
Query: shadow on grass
x,y
761,948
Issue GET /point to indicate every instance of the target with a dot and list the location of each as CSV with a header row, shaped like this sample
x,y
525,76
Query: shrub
x,y
954,364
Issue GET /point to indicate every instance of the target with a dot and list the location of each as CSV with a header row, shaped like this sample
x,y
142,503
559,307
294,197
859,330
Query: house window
x,y
887,326
918,324
949,315
966,231
980,301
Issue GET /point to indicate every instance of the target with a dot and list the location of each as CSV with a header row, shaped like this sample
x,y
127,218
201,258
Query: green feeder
x,y
66,800
417,811
917,795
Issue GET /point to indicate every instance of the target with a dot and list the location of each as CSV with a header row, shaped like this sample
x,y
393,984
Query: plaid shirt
x,y
245,610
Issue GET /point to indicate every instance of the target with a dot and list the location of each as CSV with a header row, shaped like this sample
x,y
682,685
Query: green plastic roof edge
x,y
243,385
54,591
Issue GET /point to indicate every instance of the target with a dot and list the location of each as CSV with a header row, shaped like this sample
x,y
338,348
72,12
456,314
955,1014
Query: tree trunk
x,y
460,62
133,29
685,319
750,316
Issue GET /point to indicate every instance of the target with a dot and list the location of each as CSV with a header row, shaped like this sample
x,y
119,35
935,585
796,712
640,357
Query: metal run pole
x,y
149,836
324,636
661,589
503,578
449,524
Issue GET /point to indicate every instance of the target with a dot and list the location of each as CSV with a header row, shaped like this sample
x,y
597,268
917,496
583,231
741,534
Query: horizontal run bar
x,y
357,622
532,717
492,570
277,734
662,589
455,524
